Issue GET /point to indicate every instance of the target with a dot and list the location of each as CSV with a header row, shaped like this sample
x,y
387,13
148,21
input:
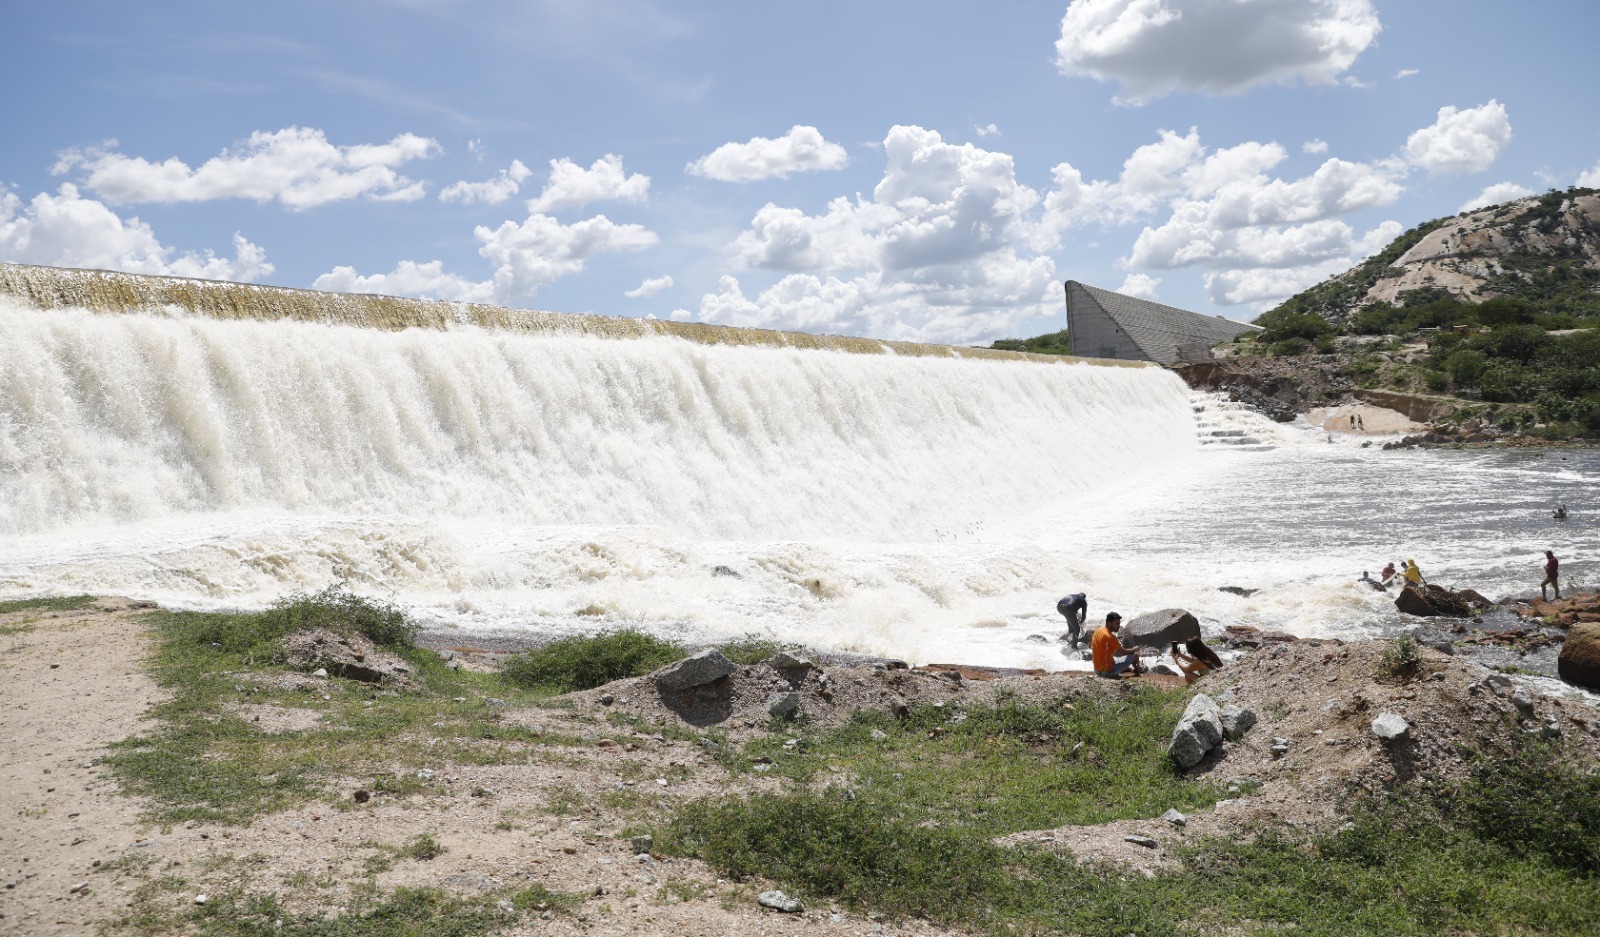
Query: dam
x,y
521,473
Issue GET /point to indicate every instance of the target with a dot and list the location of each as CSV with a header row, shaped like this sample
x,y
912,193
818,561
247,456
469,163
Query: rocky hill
x,y
1544,250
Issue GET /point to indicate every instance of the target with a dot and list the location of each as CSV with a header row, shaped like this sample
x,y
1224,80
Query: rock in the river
x,y
1240,591
1411,601
707,666
1159,629
1579,663
1390,726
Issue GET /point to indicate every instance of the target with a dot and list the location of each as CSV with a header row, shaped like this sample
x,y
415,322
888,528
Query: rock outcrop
x,y
1579,663
1159,629
1435,601
705,667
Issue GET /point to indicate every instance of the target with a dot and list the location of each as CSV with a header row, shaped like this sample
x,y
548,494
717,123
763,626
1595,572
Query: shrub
x,y
582,663
256,634
1465,366
1288,347
1532,802
1402,658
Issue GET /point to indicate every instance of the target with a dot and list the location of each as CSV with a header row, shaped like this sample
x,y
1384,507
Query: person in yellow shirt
x,y
1110,660
1412,574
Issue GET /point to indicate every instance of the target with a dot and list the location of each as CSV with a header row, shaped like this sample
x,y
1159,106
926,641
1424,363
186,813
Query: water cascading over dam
x,y
225,443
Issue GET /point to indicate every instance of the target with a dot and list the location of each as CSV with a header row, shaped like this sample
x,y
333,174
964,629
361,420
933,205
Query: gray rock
x,y
1430,637
644,843
1522,701
1236,721
1159,629
782,705
783,660
1390,726
879,735
778,901
1175,818
705,667
1499,684
1144,841
1198,731
1036,639
320,672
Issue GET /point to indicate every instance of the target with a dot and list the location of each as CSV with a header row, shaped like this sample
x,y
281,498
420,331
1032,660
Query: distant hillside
x,y
1543,250
1054,343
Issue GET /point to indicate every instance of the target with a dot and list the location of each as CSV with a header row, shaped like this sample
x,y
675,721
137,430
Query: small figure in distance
x,y
1110,660
1552,566
1387,574
1560,513
1076,609
1200,660
1377,586
1361,423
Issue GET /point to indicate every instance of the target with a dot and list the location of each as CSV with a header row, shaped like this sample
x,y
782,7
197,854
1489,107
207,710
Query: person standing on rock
x,y
1076,609
1110,660
1552,567
1412,573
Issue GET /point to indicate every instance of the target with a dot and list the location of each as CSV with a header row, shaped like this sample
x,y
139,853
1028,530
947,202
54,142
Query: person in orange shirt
x,y
1109,658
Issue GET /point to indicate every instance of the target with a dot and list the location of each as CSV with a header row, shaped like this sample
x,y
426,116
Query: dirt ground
x,y
71,683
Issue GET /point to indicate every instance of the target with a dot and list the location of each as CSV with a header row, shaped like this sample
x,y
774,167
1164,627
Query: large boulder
x,y
351,656
705,667
1159,629
1579,663
1198,731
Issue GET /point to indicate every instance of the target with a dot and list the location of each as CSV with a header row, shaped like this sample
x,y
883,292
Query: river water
x,y
928,509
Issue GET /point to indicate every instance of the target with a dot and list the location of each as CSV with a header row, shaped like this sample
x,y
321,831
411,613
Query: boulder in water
x,y
1430,601
1579,663
1159,629
1240,591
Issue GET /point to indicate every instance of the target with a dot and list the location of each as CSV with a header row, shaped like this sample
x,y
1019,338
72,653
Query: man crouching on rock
x,y
1109,658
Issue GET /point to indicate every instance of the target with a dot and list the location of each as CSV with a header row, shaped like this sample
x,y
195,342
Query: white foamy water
x,y
925,508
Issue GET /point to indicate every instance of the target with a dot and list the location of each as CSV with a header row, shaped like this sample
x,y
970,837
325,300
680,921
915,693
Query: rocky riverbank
x,y
529,813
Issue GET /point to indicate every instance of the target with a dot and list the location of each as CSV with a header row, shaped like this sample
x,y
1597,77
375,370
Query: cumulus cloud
x,y
802,149
296,167
1153,47
426,280
572,187
651,287
1140,284
490,191
988,130
1407,72
1314,146
1495,194
1461,141
1590,179
67,230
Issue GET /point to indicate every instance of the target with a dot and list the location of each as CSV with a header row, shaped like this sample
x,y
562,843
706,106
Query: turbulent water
x,y
925,507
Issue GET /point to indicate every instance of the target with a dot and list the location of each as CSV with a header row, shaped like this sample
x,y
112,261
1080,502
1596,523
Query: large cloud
x,y
296,167
1496,194
1461,141
1590,179
67,230
1153,47
802,149
572,187
526,255
939,252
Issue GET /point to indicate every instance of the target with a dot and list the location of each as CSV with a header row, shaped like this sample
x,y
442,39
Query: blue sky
x,y
919,170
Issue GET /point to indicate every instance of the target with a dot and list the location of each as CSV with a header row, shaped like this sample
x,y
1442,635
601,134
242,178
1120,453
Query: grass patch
x,y
204,762
404,912
583,663
1016,766
1515,849
69,603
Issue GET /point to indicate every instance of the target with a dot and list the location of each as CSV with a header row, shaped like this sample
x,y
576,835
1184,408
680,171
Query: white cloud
x,y
802,149
525,256
1314,147
67,230
1590,179
651,287
1407,72
1461,141
296,167
1495,194
425,280
571,186
988,130
490,191
1153,47
1265,286
1140,284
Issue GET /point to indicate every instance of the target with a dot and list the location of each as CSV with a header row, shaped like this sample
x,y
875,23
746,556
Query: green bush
x,y
257,634
1278,326
1402,658
1288,347
582,663
1465,366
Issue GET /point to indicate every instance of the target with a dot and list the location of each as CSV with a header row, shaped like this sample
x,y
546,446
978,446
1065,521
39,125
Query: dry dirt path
x,y
70,683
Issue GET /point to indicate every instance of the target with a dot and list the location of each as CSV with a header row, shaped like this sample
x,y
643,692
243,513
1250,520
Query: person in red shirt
x,y
1552,566
1109,658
